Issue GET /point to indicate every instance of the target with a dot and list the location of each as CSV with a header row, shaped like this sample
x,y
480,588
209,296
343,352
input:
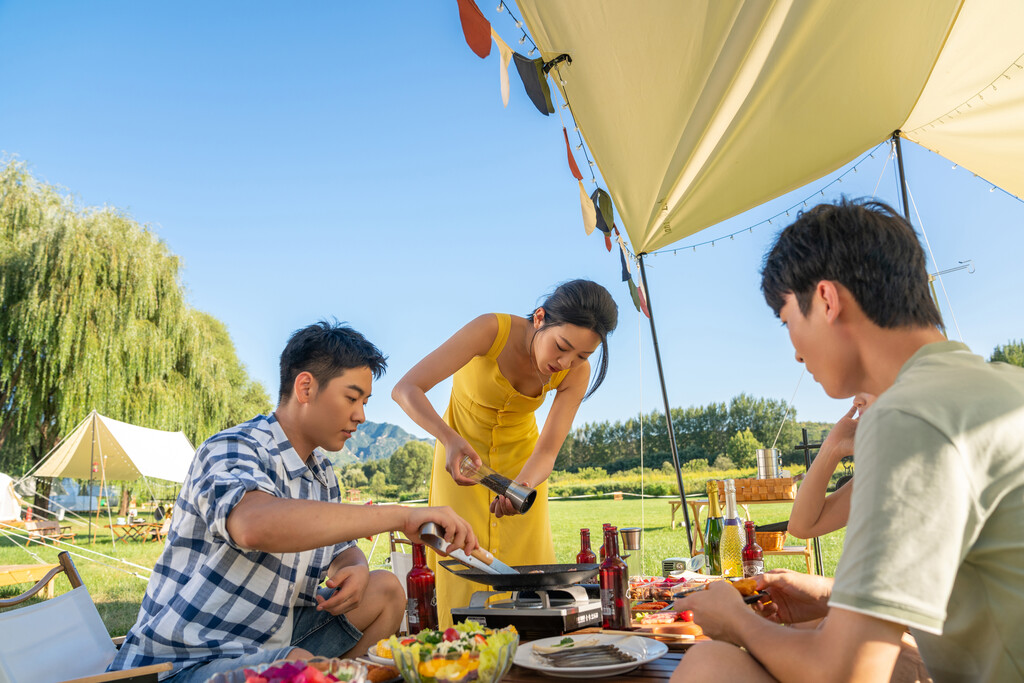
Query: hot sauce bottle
x,y
585,555
419,584
753,557
614,584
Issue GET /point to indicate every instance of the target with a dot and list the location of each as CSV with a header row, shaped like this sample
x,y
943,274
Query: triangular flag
x,y
643,299
535,81
475,27
608,242
635,296
589,215
572,160
505,52
625,263
605,217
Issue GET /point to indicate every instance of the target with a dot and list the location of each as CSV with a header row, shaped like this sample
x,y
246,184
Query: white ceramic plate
x,y
372,655
643,650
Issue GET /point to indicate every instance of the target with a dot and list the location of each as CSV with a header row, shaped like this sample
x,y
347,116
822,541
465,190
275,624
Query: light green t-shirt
x,y
936,530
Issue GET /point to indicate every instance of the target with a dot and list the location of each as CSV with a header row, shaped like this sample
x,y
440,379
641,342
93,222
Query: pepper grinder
x,y
520,496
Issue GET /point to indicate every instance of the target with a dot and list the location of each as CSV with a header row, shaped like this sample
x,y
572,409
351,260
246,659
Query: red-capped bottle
x,y
604,543
585,555
753,557
614,584
422,606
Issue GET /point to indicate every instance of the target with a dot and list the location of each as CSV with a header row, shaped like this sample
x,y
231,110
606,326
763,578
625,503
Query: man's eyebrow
x,y
362,392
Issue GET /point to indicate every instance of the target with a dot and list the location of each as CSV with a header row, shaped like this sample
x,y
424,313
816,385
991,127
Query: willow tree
x,y
93,315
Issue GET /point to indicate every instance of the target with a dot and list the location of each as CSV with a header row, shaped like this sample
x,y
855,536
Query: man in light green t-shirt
x,y
935,538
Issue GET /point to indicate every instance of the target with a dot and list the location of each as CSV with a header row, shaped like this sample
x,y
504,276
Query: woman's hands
x,y
456,448
502,506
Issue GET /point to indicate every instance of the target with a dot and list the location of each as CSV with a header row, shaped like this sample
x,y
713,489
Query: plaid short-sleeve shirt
x,y
209,598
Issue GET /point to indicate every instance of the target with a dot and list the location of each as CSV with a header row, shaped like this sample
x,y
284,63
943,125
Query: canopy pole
x,y
668,409
903,177
92,466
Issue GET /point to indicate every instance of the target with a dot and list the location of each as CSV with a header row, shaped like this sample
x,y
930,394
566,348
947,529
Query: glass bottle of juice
x,y
419,584
585,555
614,585
731,547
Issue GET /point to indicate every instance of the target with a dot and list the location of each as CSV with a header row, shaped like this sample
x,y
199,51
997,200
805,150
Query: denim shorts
x,y
316,631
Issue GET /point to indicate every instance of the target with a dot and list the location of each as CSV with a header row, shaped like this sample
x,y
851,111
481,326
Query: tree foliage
x,y
1012,352
409,466
702,432
93,315
742,449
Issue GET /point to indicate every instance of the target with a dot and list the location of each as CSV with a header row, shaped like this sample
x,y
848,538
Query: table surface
x,y
658,670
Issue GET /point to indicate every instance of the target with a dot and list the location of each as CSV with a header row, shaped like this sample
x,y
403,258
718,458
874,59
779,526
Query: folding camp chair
x,y
401,563
60,639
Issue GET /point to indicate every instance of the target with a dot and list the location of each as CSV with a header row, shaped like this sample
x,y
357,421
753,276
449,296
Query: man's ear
x,y
828,292
304,387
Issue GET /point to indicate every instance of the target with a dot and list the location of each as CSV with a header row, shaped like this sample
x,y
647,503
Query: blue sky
x,y
354,160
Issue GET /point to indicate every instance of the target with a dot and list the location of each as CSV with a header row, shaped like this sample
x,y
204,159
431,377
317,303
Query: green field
x,y
118,593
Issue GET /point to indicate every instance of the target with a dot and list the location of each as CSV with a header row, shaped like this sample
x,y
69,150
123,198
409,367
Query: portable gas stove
x,y
536,613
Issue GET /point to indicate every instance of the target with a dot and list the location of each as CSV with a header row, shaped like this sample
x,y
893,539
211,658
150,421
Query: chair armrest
x,y
118,641
139,674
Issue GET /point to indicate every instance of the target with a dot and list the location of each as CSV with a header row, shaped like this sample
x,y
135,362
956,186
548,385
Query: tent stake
x,y
668,409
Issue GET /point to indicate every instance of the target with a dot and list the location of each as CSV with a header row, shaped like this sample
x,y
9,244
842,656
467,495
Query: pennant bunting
x,y
535,81
475,27
572,160
625,257
643,299
608,242
589,216
505,54
635,296
605,216
625,263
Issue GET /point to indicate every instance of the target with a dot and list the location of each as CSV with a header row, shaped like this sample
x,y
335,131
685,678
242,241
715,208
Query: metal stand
x,y
807,448
668,409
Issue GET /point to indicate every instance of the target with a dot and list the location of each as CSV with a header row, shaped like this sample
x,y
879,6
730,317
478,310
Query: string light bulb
x,y
522,39
532,50
501,6
519,24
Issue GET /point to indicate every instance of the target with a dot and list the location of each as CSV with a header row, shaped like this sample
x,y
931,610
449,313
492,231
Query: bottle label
x,y
607,602
753,567
412,610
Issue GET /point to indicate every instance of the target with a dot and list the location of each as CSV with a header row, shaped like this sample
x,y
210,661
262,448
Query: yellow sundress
x,y
499,423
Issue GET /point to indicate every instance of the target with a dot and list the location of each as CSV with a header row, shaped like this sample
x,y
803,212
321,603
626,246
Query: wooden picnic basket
x,y
783,488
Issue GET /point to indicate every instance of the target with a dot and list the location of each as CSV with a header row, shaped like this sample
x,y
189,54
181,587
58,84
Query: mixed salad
x,y
466,652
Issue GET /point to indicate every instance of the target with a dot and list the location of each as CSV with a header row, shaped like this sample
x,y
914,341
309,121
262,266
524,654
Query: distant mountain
x,y
372,441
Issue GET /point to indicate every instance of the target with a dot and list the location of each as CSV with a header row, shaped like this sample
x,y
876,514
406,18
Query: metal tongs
x,y
433,536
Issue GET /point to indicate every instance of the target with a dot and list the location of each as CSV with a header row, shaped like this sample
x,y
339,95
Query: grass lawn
x,y
118,593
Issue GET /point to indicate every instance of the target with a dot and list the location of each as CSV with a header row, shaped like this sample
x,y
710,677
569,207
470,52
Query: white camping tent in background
x,y
103,448
697,110
10,508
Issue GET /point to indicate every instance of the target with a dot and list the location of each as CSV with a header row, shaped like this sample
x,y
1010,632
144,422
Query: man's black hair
x,y
326,350
863,245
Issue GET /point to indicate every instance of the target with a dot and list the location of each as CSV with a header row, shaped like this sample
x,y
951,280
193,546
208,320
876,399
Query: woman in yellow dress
x,y
503,367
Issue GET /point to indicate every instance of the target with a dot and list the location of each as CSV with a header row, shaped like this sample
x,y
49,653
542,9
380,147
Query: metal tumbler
x,y
520,496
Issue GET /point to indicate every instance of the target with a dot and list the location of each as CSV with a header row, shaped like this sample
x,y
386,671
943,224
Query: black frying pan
x,y
529,577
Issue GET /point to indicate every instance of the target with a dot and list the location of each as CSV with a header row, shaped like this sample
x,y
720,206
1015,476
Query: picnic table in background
x,y
139,530
48,530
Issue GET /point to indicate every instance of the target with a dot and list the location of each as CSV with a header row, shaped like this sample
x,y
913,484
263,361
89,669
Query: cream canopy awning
x,y
697,110
119,451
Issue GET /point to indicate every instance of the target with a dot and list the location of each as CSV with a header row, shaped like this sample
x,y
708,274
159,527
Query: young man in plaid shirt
x,y
259,524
